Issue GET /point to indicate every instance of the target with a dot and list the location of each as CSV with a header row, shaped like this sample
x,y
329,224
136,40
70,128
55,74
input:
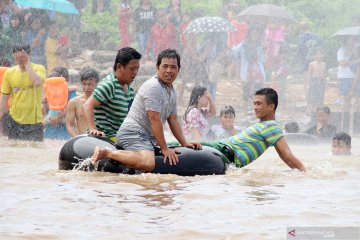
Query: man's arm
x,y
70,118
89,106
158,132
35,77
287,156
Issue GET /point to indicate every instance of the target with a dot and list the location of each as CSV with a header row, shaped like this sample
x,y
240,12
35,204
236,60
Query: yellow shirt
x,y
50,53
26,99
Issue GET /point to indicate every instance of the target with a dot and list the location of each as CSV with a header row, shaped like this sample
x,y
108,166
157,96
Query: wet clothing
x,y
26,99
26,132
153,96
325,133
114,105
250,143
195,119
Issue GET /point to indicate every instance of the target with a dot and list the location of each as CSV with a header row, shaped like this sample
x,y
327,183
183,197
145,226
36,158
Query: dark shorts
x,y
28,132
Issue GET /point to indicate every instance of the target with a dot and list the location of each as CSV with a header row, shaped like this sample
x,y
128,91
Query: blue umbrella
x,y
55,5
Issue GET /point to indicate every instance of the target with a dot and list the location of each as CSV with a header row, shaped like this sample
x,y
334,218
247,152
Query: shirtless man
x,y
75,118
316,82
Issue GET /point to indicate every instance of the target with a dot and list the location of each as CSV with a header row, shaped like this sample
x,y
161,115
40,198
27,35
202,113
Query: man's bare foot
x,y
99,153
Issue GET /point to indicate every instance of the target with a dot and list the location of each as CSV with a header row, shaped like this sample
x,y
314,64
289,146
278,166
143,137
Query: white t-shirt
x,y
344,72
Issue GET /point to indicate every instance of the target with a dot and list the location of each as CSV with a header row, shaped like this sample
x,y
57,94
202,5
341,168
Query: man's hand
x,y
96,133
171,155
193,145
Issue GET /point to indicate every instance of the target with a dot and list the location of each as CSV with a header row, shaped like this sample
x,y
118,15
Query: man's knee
x,y
147,161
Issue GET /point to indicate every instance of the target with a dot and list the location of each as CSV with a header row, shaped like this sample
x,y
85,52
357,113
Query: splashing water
x,y
85,165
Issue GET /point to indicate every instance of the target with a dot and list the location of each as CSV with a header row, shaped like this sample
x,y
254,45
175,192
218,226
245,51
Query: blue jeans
x,y
142,39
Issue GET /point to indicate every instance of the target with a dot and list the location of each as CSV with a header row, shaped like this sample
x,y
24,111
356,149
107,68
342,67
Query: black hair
x,y
342,136
292,127
61,72
20,47
88,74
125,55
324,109
270,94
227,110
168,53
197,92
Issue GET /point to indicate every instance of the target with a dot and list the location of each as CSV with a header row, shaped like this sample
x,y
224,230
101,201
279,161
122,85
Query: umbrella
x,y
349,31
209,24
55,5
265,12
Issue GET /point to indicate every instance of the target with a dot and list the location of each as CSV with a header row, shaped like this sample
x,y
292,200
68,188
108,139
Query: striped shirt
x,y
253,141
114,105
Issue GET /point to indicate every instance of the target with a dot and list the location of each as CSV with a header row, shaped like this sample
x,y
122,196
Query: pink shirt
x,y
195,119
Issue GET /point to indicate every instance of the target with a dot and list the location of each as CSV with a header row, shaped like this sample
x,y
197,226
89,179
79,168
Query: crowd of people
x,y
34,55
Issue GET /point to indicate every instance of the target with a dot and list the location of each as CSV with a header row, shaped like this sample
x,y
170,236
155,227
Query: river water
x,y
257,202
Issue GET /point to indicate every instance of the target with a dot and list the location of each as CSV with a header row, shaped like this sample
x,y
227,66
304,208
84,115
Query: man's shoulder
x,y
76,100
108,78
152,83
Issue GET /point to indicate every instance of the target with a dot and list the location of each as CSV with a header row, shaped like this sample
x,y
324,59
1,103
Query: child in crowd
x,y
316,82
201,106
341,144
54,122
227,127
292,127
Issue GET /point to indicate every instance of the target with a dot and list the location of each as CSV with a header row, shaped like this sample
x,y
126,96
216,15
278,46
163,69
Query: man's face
x,y
339,148
227,121
126,74
261,108
168,70
88,86
323,118
21,57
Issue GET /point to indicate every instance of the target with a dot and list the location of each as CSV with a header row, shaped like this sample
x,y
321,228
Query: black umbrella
x,y
209,24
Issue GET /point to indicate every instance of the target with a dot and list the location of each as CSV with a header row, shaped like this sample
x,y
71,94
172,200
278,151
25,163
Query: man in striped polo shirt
x,y
106,109
248,145
154,104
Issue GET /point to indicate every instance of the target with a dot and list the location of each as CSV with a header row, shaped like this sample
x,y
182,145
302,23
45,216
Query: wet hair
x,y
61,72
125,55
270,94
227,110
292,127
197,92
89,74
168,53
344,137
20,47
324,109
